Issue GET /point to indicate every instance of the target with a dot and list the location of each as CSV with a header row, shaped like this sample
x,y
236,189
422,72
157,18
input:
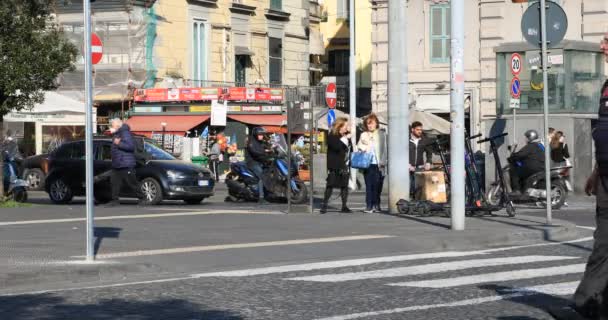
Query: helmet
x,y
258,131
531,135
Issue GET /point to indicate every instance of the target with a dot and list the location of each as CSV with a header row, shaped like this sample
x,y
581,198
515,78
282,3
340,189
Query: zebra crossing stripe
x,y
494,277
335,264
430,268
565,288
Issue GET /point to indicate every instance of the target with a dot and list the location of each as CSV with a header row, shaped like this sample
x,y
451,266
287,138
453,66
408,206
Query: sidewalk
x,y
49,255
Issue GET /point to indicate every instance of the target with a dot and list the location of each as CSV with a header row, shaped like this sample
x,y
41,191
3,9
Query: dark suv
x,y
162,177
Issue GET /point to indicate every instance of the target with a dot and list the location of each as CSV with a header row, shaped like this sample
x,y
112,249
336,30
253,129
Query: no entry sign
x,y
331,95
96,49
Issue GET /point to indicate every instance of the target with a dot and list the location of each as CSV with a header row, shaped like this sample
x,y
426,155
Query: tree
x,y
33,52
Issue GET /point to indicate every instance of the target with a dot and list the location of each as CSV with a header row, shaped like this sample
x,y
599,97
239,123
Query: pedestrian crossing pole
x,y
543,34
398,106
352,85
457,177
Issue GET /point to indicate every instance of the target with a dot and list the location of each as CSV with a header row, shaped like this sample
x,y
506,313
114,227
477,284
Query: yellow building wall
x,y
336,27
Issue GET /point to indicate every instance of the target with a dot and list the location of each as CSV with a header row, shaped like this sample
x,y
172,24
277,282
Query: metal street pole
x,y
352,84
457,154
88,87
543,32
398,106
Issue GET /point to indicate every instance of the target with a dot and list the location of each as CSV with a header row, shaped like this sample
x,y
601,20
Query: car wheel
x,y
60,192
151,191
194,200
35,179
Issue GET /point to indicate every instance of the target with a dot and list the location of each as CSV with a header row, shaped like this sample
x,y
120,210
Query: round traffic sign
x,y
96,49
331,95
515,88
557,24
515,64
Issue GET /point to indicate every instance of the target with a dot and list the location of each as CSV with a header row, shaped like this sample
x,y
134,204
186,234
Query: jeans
x,y
591,296
372,186
124,176
258,170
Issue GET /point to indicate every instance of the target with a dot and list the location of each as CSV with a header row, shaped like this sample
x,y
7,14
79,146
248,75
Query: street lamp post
x,y
164,125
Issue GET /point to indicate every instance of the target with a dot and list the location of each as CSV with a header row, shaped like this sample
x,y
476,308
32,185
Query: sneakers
x,y
323,210
377,208
369,210
346,210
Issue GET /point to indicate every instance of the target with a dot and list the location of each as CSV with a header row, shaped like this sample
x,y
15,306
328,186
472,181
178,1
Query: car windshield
x,y
157,153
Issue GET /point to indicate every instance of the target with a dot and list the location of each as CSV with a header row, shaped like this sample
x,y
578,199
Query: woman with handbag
x,y
373,142
339,148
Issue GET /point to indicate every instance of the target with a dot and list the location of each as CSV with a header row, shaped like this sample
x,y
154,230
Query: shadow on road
x,y
533,299
104,232
52,307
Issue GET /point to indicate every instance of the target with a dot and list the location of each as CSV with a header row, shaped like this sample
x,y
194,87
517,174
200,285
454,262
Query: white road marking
x,y
566,288
141,253
494,277
364,261
333,264
138,216
430,268
585,227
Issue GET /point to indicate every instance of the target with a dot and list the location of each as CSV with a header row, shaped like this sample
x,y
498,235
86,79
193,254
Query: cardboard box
x,y
430,185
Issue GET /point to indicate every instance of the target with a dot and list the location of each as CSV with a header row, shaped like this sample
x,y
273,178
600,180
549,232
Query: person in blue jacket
x,y
123,160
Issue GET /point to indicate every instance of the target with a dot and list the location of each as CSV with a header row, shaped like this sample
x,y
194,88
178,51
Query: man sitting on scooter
x,y
256,155
527,161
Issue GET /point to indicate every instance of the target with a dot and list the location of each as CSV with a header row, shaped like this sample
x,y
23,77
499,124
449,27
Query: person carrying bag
x,y
339,149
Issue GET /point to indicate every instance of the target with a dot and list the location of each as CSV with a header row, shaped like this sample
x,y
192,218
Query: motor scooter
x,y
15,188
500,191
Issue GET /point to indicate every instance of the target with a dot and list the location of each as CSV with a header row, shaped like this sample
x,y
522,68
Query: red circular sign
x,y
331,95
96,49
516,64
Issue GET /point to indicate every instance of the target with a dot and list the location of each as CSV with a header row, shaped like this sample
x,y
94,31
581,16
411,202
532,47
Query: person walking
x,y
591,296
339,148
123,161
373,140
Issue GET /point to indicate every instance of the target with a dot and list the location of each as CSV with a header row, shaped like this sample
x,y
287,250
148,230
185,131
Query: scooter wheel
x,y
510,209
20,195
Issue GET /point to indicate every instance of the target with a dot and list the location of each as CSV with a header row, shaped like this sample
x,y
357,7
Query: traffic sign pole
x,y
543,26
88,87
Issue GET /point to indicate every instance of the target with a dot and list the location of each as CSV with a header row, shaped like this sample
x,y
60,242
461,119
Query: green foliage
x,y
33,52
13,204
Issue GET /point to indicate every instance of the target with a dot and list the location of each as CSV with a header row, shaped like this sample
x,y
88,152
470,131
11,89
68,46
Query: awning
x,y
431,123
435,103
271,122
243,51
179,124
55,102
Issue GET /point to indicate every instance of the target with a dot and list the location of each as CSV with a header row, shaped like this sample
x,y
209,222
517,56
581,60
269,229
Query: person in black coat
x,y
123,161
256,156
527,161
339,147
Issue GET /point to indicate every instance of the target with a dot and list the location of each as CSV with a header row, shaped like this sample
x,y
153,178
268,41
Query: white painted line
x,y
430,268
585,227
494,277
557,289
333,264
141,253
139,216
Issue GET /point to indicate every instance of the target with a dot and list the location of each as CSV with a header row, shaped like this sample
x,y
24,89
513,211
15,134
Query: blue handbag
x,y
361,160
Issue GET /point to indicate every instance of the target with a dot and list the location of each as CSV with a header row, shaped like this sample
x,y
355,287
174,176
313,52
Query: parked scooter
x,y
15,188
534,186
243,183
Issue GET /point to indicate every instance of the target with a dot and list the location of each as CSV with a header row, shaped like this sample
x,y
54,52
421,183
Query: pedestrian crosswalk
x,y
511,272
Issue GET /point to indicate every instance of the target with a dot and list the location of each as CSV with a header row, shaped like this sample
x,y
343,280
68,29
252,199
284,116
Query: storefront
x,y
575,78
49,124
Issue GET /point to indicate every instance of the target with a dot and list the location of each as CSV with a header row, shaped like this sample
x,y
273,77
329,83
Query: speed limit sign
x,y
515,64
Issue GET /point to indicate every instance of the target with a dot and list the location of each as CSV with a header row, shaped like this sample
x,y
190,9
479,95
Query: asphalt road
x,y
370,278
502,283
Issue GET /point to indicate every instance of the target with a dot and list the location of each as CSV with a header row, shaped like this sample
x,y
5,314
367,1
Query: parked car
x,y
34,170
162,177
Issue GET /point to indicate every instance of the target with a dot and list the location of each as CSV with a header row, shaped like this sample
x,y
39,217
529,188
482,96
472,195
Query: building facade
x,y
336,39
492,36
